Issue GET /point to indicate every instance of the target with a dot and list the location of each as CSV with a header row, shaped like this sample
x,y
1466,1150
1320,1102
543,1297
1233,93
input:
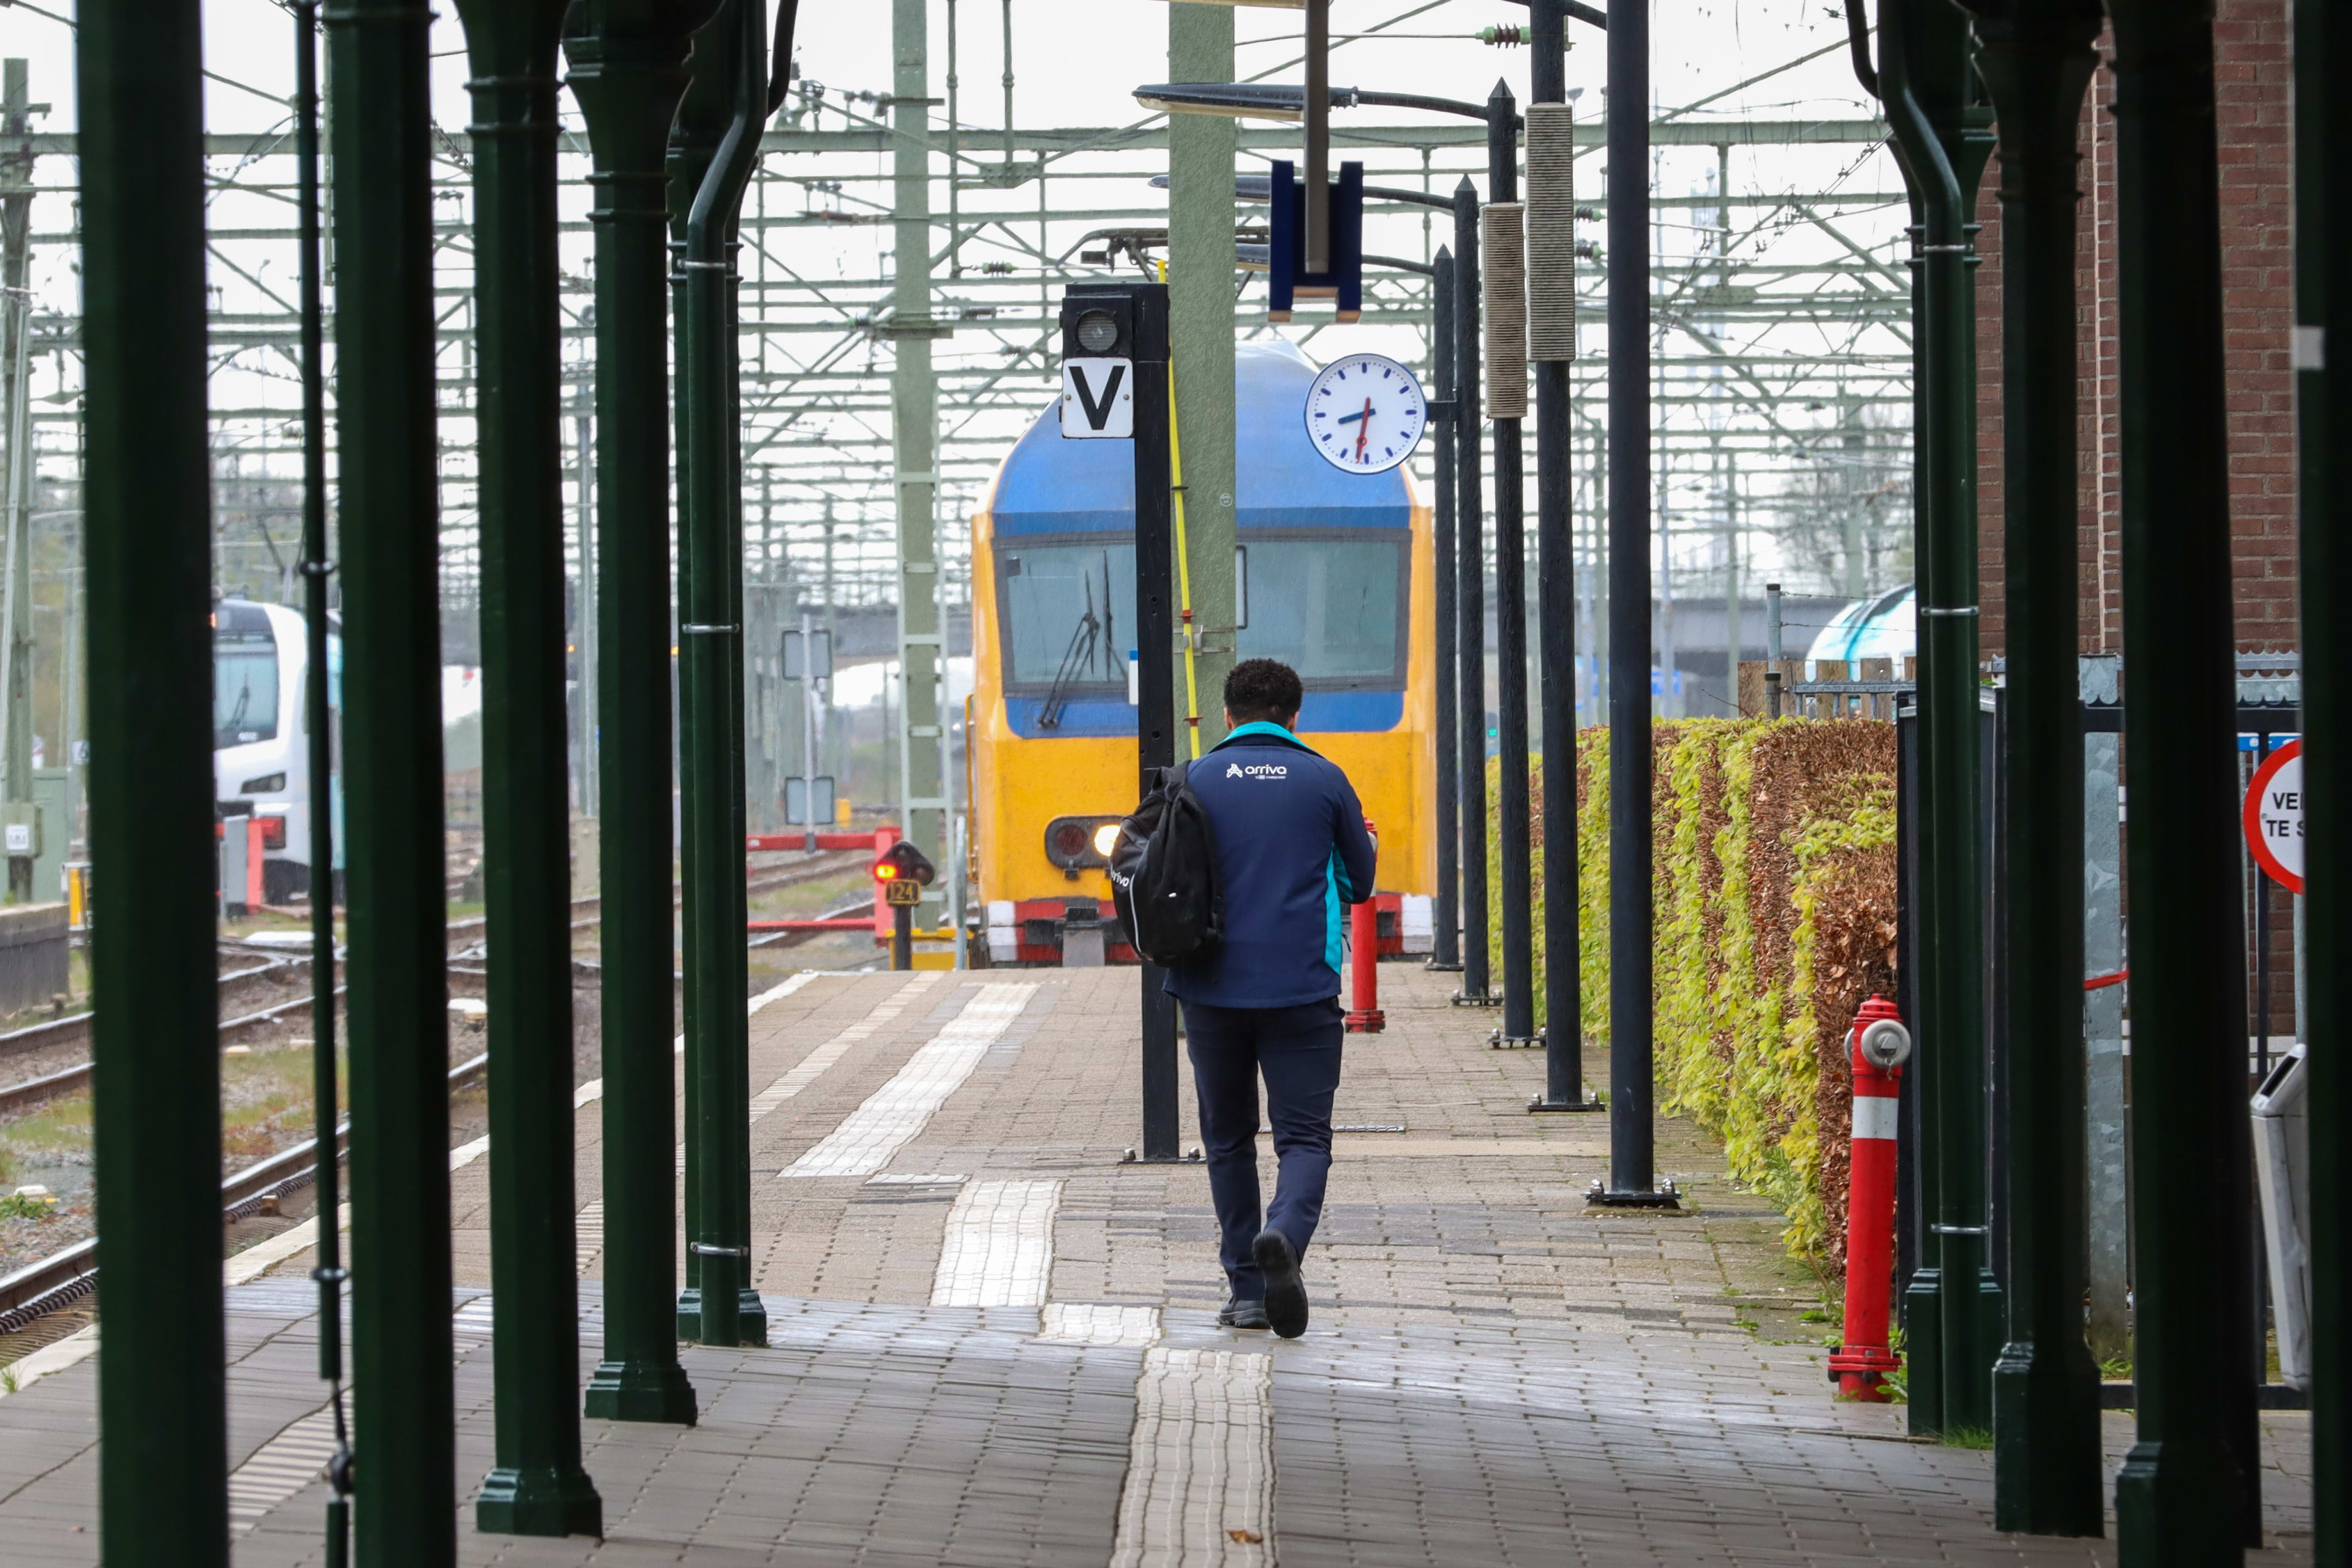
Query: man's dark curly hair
x,y
1263,688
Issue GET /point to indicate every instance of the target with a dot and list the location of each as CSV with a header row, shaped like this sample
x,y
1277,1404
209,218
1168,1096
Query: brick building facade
x,y
2253,68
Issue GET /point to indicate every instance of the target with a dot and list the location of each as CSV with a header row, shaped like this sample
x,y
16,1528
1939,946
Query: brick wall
x,y
2252,69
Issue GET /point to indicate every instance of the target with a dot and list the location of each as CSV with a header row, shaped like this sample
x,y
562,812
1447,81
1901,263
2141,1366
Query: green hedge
x,y
1774,889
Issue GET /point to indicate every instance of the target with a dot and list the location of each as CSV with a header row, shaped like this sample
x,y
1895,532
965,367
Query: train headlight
x,y
1076,844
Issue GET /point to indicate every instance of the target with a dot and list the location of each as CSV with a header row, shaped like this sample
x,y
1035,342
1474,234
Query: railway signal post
x,y
1114,381
904,872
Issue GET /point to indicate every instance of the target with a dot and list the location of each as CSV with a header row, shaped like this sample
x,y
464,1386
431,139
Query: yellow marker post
x,y
1184,564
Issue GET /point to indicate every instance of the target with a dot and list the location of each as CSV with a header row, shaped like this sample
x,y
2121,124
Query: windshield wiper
x,y
236,720
1110,627
1077,660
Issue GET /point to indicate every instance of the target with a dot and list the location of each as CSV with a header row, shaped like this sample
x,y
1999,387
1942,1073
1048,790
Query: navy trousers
x,y
1297,1051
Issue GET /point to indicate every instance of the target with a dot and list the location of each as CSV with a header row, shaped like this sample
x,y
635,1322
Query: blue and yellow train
x,y
1335,578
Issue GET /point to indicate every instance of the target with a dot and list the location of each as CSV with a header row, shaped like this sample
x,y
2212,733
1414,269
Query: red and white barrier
x,y
1365,1017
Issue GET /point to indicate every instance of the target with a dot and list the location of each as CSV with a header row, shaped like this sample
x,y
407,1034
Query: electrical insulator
x,y
1509,37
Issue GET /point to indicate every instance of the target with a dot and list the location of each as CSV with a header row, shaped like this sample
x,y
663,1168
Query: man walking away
x,y
1291,849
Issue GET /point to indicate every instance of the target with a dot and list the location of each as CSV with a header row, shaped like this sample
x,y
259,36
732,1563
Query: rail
x,y
68,1275
65,1031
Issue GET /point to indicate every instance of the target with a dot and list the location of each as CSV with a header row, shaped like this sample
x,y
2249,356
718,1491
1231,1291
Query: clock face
x,y
1365,414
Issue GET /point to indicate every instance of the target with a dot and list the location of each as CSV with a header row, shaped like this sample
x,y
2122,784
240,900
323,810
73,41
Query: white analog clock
x,y
1365,414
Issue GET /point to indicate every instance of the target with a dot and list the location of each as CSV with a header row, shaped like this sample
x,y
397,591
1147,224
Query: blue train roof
x,y
1049,485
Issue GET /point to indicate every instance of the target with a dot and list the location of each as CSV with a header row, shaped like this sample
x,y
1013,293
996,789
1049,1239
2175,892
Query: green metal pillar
x,y
162,1391
695,133
1201,260
628,71
2188,1490
915,446
2036,59
2323,279
536,1485
1942,140
398,997
729,92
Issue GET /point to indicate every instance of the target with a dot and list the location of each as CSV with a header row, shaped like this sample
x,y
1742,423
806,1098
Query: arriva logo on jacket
x,y
1257,771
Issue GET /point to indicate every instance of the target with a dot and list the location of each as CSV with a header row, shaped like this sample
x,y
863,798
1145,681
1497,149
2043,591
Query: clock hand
x,y
1363,429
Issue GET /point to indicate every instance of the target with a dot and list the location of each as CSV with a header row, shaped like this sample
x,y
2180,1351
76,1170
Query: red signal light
x,y
885,871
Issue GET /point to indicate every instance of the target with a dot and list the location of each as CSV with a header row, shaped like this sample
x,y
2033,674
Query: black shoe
x,y
1285,1295
1240,1314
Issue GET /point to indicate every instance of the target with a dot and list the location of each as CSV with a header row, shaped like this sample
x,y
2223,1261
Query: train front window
x,y
1068,614
245,678
1330,607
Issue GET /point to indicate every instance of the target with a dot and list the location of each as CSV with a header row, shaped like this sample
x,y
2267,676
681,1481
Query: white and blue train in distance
x,y
261,749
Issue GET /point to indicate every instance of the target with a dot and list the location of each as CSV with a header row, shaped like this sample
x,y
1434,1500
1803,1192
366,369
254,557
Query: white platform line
x,y
588,1230
999,1247
895,1114
1097,1323
299,1454
1200,1465
809,1067
50,1359
280,1467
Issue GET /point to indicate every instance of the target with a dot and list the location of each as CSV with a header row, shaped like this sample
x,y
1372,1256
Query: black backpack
x,y
1163,875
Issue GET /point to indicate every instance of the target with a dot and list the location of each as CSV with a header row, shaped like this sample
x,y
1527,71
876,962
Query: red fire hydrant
x,y
1364,963
1881,1044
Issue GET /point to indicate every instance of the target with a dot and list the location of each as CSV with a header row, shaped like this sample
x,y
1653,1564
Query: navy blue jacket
x,y
1291,848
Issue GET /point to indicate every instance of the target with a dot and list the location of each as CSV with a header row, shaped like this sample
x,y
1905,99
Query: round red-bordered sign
x,y
2273,816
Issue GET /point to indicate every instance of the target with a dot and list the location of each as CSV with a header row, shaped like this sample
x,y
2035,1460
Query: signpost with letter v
x,y
1114,387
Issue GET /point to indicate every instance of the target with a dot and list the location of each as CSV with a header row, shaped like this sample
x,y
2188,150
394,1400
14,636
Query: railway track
x,y
68,1275
241,986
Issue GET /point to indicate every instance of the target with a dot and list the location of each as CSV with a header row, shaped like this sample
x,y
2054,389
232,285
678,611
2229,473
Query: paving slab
x,y
993,1342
